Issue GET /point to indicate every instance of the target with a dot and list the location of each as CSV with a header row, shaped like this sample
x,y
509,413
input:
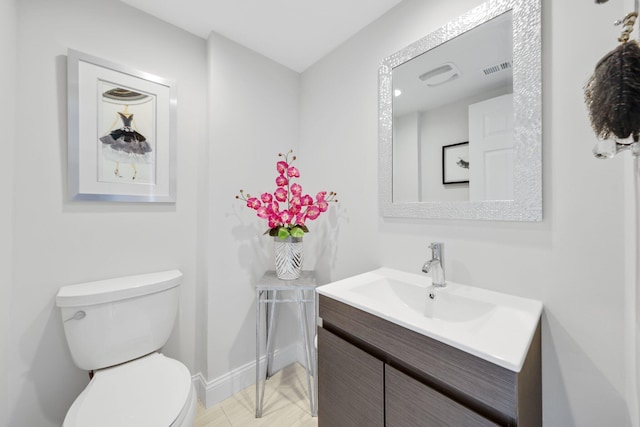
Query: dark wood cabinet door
x,y
350,384
409,403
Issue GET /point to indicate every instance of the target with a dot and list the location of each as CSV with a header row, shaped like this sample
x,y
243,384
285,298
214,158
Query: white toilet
x,y
115,329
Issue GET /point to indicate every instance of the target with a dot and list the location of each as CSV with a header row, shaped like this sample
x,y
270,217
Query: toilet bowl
x,y
115,329
136,394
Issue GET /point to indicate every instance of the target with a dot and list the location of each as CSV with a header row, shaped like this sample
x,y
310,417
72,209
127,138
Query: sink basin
x,y
434,303
491,325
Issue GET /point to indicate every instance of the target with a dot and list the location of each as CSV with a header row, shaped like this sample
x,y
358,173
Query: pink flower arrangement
x,y
287,209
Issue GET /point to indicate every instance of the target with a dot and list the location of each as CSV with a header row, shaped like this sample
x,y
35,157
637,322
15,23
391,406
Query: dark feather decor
x,y
612,94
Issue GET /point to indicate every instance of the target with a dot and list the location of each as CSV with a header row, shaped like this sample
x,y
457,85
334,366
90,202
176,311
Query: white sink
x,y
493,326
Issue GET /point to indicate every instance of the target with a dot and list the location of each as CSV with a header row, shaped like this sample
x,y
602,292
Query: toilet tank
x,y
109,322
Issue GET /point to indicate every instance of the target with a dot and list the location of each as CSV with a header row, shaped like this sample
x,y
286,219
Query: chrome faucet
x,y
436,265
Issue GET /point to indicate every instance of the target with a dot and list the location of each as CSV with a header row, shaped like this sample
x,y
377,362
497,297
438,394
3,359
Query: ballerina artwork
x,y
124,142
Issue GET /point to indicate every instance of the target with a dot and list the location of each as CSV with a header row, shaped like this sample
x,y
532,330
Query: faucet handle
x,y
436,250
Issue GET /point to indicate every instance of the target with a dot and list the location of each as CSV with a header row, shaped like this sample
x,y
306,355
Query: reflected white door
x,y
491,149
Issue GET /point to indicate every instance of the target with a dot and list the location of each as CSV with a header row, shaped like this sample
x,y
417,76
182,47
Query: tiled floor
x,y
286,404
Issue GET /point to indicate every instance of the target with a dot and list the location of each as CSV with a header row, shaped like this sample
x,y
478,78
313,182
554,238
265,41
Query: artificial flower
x,y
290,221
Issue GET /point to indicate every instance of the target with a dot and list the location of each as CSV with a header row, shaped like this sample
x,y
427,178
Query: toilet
x,y
115,329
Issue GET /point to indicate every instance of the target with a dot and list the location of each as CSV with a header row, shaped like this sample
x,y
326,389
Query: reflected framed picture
x,y
122,132
455,163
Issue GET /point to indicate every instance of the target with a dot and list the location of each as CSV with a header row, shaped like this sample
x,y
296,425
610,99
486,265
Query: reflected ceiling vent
x,y
441,75
497,68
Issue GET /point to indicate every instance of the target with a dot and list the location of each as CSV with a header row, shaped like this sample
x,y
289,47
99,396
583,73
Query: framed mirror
x,y
460,119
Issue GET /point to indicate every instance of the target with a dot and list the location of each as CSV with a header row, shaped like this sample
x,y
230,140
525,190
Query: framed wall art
x,y
455,163
122,132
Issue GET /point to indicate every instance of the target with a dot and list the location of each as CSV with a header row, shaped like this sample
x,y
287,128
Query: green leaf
x,y
283,233
273,232
297,232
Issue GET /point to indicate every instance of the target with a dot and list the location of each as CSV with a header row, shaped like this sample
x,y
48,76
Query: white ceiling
x,y
294,33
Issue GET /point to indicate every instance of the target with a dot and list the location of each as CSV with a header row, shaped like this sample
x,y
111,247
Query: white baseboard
x,y
215,391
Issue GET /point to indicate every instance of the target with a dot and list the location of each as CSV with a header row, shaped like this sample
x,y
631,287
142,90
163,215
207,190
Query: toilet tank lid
x,y
103,291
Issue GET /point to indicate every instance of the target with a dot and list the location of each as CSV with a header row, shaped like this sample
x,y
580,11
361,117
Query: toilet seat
x,y
151,391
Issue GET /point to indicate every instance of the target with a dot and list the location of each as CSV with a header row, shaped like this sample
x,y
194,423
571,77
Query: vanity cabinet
x,y
372,372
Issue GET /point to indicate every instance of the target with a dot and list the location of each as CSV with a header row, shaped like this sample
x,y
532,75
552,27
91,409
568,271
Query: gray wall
x,y
254,106
57,242
573,261
8,34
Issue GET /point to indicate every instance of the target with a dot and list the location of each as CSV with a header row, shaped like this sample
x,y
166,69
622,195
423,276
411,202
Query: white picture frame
x,y
122,132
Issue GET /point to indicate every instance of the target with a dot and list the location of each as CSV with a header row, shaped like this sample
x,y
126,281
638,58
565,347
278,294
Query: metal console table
x,y
271,291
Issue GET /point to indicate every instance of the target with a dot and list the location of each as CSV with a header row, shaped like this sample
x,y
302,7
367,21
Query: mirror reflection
x,y
453,120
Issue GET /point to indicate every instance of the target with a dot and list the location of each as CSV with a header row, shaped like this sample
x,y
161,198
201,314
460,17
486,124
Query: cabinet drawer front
x,y
410,403
350,384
